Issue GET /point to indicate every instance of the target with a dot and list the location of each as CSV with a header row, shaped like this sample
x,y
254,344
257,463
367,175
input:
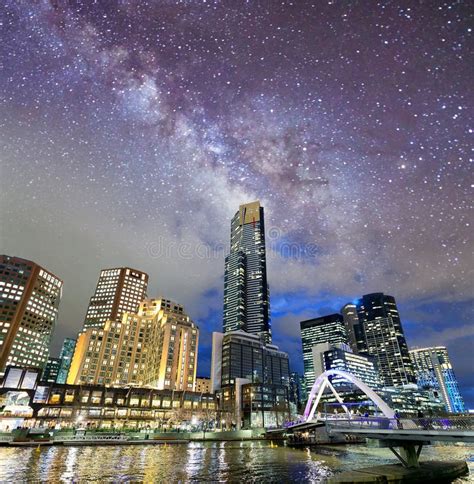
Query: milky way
x,y
132,130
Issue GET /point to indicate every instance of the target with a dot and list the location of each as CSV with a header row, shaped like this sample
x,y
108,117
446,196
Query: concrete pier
x,y
434,471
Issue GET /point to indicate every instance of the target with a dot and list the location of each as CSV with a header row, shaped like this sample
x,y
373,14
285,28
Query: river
x,y
203,462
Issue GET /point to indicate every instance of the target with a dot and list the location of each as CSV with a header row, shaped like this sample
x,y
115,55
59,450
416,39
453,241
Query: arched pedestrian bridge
x,y
407,433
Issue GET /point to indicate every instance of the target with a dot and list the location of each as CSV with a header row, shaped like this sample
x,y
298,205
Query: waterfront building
x,y
434,371
383,338
155,347
246,293
325,329
67,352
98,406
203,384
118,291
245,366
29,302
51,370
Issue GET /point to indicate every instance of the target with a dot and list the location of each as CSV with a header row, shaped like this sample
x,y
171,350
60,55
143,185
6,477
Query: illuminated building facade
x,y
203,385
341,357
29,302
246,356
383,338
246,293
298,394
251,379
51,370
97,406
67,352
118,291
325,329
433,370
155,347
355,333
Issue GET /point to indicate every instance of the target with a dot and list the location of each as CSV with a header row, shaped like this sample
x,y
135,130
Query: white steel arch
x,y
323,381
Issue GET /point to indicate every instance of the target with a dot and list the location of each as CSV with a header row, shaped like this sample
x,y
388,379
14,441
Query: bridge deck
x,y
454,429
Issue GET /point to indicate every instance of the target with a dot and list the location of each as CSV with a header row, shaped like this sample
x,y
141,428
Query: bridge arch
x,y
323,381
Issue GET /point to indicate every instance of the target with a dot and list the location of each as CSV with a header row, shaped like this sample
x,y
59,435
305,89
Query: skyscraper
x,y
118,291
433,370
246,293
156,347
29,301
67,352
353,326
384,339
51,370
317,331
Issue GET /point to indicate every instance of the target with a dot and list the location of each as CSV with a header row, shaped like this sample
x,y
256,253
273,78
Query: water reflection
x,y
198,462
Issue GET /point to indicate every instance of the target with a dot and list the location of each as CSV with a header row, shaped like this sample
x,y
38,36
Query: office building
x,y
434,371
326,329
246,293
67,352
247,356
384,339
341,357
51,370
155,347
251,379
29,302
354,330
118,291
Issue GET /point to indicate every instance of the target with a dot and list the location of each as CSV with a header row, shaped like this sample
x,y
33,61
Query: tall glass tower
x,y
383,338
246,293
434,370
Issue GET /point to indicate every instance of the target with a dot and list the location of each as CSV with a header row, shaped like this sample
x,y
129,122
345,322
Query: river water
x,y
202,462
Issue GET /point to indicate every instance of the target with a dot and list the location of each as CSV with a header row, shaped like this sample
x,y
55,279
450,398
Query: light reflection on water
x,y
203,462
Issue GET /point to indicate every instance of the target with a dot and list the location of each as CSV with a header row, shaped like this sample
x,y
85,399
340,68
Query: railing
x,y
90,437
440,424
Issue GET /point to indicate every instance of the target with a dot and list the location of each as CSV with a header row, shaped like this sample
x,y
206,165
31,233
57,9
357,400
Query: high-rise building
x,y
242,355
298,394
118,291
67,352
433,370
51,370
354,329
173,346
341,357
156,347
251,379
326,329
29,302
384,339
246,293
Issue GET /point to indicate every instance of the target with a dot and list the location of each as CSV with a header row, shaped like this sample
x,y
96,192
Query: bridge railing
x,y
451,423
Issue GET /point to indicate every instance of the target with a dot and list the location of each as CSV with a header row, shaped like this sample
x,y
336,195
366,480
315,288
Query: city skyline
x,y
133,146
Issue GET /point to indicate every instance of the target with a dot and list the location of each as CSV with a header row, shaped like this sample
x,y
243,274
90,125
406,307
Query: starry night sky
x,y
132,130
